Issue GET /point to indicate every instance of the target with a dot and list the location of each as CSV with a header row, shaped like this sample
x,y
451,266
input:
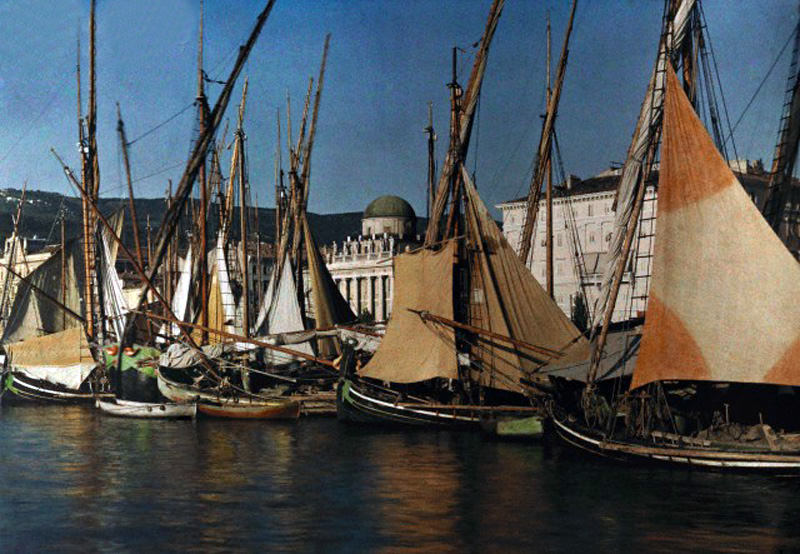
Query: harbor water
x,y
72,480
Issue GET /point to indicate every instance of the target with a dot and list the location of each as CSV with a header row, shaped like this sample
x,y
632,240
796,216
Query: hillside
x,y
41,208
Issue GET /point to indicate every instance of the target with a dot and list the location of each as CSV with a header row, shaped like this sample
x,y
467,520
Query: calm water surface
x,y
73,480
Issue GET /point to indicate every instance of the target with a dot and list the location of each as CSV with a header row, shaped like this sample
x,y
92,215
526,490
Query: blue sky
x,y
387,60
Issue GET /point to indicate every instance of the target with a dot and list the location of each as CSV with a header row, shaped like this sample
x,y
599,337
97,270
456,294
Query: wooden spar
x,y
543,154
131,201
455,156
456,94
149,245
171,252
113,234
243,221
619,271
42,293
91,115
549,190
12,257
431,160
477,330
169,224
85,214
278,173
202,183
63,271
240,338
314,116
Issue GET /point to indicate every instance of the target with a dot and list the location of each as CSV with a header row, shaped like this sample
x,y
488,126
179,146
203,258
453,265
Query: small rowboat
x,y
268,409
148,410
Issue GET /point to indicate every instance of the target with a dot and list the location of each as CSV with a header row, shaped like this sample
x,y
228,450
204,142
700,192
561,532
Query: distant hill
x,y
41,209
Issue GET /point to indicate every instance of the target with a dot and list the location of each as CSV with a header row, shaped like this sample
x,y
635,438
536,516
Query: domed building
x,y
361,267
390,215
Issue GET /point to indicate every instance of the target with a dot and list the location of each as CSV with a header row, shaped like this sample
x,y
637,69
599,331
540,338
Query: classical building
x,y
583,221
362,266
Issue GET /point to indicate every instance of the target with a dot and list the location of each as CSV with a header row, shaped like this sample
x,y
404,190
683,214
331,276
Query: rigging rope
x,y
760,86
157,127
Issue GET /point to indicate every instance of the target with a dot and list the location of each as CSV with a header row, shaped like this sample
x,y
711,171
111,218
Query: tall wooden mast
x,y
549,190
431,160
132,203
243,218
545,147
90,175
786,150
202,107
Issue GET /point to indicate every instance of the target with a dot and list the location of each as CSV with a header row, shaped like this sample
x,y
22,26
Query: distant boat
x,y
146,410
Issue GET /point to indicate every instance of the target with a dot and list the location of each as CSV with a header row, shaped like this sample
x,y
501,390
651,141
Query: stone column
x,y
371,296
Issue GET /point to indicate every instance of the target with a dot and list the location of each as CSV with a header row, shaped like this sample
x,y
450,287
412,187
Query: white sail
x,y
114,301
228,301
284,315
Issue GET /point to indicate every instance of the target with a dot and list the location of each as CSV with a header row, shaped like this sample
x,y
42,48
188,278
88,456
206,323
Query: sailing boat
x,y
719,351
470,325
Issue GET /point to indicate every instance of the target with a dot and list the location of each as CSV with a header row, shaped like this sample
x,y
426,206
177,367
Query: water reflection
x,y
72,479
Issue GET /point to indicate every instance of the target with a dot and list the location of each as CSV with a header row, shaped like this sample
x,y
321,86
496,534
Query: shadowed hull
x,y
357,405
708,458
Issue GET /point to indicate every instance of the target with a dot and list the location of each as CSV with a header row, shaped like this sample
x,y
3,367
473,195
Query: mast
x,y
786,149
63,272
12,255
149,244
243,219
89,171
545,146
458,152
169,224
431,160
202,106
278,184
549,190
131,201
632,187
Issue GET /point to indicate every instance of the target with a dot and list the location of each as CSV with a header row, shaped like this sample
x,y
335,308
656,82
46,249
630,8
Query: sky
x,y
388,59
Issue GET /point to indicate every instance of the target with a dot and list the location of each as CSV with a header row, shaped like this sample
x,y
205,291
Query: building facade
x,y
583,223
362,266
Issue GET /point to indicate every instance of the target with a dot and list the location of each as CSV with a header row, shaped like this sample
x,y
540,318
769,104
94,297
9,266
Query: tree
x,y
580,313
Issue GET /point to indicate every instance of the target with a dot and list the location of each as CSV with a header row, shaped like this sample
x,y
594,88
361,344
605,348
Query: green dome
x,y
389,206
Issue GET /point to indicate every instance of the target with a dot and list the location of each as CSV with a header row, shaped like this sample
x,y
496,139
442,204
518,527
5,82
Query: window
x,y
590,210
559,240
591,237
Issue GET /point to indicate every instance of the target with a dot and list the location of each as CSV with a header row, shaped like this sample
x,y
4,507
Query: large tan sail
x,y
723,299
412,350
507,299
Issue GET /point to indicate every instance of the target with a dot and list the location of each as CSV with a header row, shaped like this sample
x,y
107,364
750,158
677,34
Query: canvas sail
x,y
63,358
116,308
284,314
723,295
180,298
32,314
506,299
330,308
412,351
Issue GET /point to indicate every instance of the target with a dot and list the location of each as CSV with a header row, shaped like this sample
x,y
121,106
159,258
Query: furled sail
x,y
723,295
180,298
223,279
506,299
644,138
412,351
330,308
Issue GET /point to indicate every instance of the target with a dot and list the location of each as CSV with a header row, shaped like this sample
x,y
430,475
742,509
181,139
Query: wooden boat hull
x,y
357,405
691,457
147,410
278,409
19,388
